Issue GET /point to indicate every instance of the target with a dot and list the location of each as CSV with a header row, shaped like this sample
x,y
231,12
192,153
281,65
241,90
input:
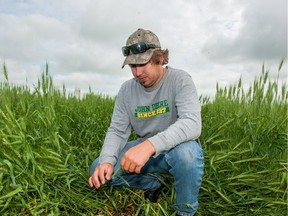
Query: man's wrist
x,y
151,149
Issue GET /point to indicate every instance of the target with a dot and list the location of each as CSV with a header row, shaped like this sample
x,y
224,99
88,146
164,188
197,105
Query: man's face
x,y
148,74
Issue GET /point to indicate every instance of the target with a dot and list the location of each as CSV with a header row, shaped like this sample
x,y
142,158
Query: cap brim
x,y
141,58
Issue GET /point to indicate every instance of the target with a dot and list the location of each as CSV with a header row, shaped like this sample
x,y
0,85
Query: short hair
x,y
157,57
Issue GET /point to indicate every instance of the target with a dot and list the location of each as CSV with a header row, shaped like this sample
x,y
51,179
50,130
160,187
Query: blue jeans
x,y
184,162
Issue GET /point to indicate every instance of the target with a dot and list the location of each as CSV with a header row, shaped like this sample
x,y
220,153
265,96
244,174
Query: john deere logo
x,y
155,109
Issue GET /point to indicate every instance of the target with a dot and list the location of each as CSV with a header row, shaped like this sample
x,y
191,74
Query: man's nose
x,y
138,70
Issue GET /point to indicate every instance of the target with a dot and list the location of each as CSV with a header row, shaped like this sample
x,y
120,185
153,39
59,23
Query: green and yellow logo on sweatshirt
x,y
155,109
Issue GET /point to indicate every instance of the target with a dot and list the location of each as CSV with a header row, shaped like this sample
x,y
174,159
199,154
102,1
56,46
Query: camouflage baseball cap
x,y
141,36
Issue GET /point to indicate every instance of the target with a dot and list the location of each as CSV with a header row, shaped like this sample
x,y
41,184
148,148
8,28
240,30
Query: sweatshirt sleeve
x,y
118,131
188,124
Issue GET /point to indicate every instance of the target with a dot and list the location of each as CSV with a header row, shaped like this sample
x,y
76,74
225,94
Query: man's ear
x,y
162,60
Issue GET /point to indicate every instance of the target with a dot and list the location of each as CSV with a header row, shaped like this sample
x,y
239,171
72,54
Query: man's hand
x,y
101,173
136,157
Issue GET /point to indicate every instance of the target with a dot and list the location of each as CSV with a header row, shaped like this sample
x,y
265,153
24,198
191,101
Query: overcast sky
x,y
214,40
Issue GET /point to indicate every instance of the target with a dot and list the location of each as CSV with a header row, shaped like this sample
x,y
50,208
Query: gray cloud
x,y
215,41
262,35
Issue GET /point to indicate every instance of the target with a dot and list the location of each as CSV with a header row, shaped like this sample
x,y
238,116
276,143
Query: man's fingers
x,y
91,182
124,164
131,168
94,180
102,173
108,174
138,169
102,177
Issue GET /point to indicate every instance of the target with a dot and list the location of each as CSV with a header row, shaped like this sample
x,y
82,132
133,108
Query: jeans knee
x,y
186,156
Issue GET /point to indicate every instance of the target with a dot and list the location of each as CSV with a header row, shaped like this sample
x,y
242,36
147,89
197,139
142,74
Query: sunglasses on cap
x,y
137,48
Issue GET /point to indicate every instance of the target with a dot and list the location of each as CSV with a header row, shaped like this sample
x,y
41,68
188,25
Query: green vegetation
x,y
48,139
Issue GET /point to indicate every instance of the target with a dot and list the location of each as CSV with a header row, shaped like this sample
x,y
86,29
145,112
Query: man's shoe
x,y
153,195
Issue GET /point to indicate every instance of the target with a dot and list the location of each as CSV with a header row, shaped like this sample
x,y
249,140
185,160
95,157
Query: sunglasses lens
x,y
137,48
125,50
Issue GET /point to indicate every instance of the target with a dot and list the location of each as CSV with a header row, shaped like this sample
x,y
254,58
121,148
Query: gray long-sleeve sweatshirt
x,y
166,115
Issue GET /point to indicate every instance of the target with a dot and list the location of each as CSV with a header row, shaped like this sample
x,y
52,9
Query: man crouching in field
x,y
161,105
